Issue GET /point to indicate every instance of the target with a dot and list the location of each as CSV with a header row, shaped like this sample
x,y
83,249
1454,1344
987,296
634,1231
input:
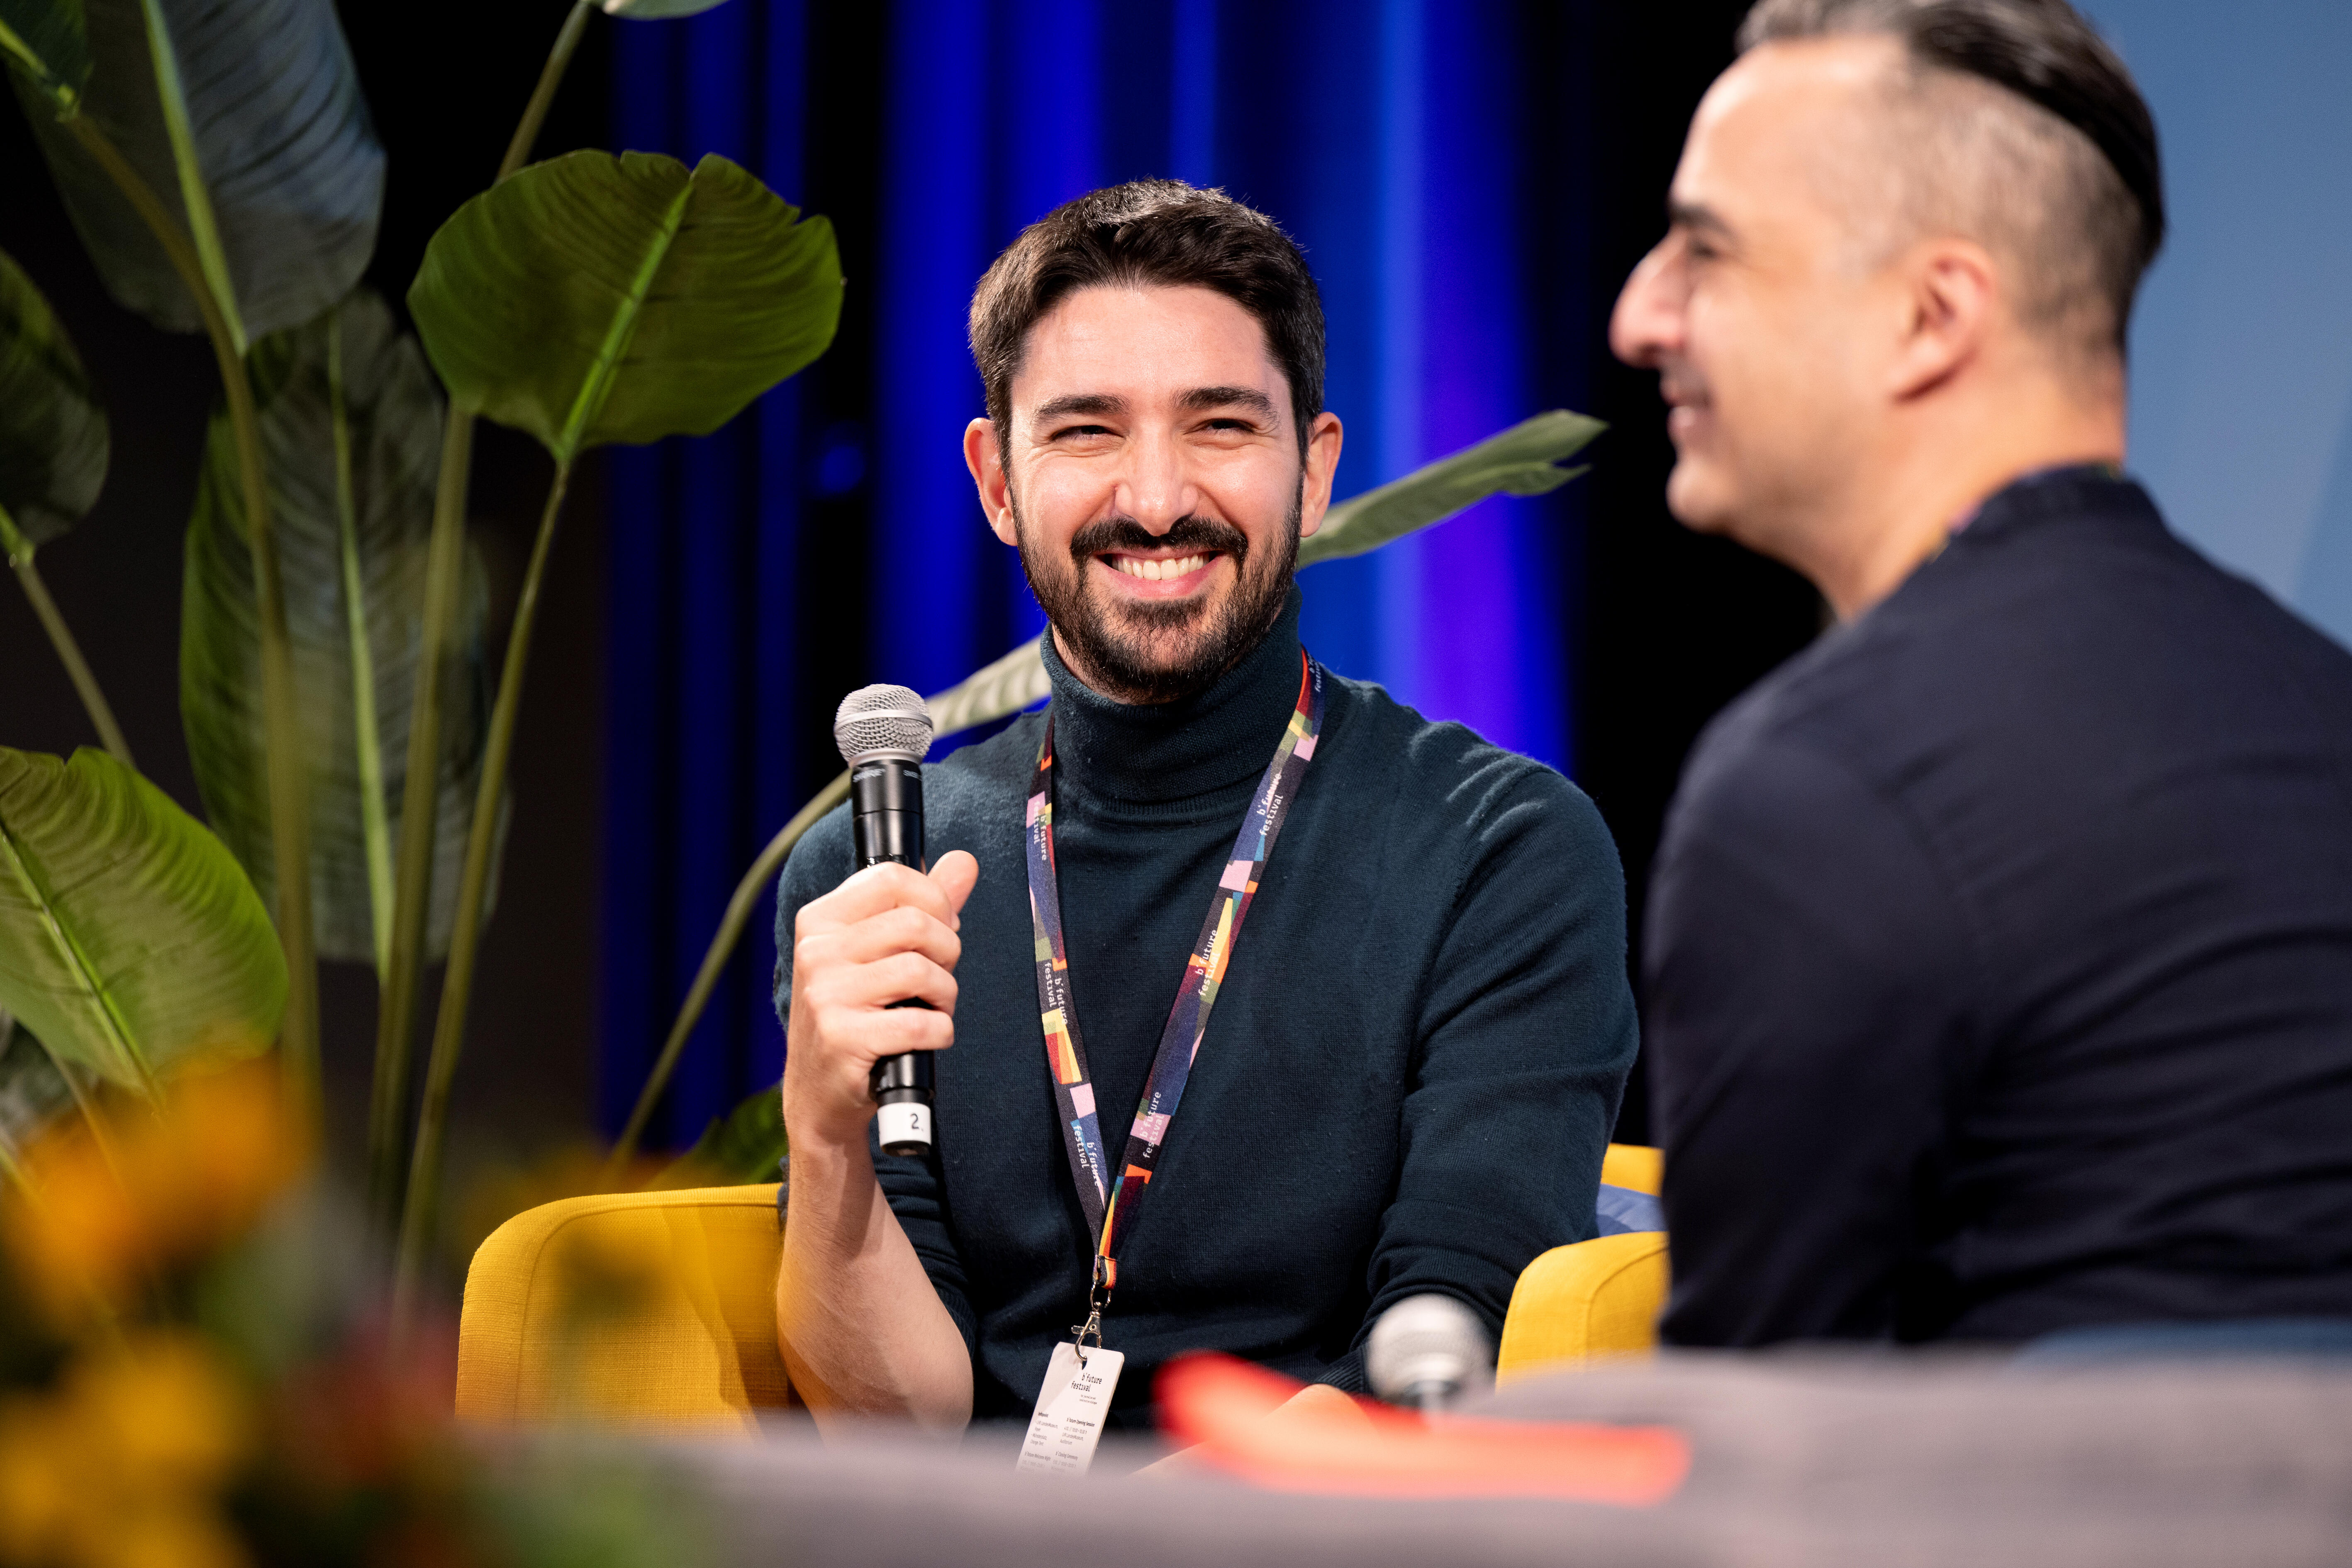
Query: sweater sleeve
x,y
912,1185
1802,963
1526,1032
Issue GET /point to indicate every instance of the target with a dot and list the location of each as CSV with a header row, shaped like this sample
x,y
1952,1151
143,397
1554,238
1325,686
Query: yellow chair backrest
x,y
627,1308
1634,1166
658,1309
1592,1298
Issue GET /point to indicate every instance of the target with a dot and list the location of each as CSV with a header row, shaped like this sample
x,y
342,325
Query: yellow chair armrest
x,y
1634,1166
627,1308
1591,1299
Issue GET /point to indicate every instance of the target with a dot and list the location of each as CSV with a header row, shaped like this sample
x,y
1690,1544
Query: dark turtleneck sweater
x,y
1999,956
1409,1077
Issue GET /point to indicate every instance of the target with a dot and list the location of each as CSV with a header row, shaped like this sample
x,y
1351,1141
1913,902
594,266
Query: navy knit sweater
x,y
1410,1075
2001,954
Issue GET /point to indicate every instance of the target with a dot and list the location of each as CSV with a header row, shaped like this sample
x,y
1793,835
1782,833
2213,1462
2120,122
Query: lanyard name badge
x,y
1079,1382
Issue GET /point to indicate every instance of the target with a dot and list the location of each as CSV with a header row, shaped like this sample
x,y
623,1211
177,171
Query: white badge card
x,y
1071,1408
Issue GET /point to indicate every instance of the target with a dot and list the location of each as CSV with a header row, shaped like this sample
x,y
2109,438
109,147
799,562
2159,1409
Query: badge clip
x,y
1098,1297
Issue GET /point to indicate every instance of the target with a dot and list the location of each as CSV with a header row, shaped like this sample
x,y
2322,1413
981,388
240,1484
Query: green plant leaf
x,y
47,42
53,441
278,129
648,10
1520,461
747,1146
349,382
593,298
130,939
1006,685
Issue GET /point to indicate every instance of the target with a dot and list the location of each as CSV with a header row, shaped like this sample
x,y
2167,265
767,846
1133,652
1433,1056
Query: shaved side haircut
x,y
2021,129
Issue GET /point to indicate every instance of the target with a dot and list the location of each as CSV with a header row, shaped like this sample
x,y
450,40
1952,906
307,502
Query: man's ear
x,y
986,462
1952,292
1323,438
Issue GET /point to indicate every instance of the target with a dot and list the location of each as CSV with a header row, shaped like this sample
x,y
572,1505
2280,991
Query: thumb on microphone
x,y
955,874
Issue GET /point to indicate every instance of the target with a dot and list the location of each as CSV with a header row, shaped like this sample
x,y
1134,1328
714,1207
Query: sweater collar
x,y
1168,752
2067,487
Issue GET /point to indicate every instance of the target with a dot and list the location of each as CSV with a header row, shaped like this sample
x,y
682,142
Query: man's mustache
x,y
1679,386
1187,532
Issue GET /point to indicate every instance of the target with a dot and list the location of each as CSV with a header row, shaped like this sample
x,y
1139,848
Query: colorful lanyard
x,y
1065,1054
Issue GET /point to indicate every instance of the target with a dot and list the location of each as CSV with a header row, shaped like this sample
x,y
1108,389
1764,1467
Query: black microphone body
x,y
886,825
884,732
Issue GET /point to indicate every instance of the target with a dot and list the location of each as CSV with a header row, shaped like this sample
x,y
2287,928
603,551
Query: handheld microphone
x,y
1427,1351
883,733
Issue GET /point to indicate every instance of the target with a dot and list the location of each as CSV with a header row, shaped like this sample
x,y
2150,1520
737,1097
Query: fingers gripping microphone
x,y
1427,1351
883,733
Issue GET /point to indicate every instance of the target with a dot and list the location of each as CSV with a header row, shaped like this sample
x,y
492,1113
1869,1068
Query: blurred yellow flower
x,y
124,1464
166,1187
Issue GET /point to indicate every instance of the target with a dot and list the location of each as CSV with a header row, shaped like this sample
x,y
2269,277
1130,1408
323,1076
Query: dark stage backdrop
x,y
1471,183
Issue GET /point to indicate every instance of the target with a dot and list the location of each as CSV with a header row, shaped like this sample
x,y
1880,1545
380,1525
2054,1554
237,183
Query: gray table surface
x,y
1798,1459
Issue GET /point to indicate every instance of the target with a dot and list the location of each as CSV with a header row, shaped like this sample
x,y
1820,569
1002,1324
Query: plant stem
x,y
61,638
290,806
103,1318
12,1168
444,564
551,75
92,1115
203,230
367,744
289,814
395,1036
419,1210
748,893
13,1171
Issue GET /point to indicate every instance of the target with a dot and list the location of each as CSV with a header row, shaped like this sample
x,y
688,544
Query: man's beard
x,y
1128,652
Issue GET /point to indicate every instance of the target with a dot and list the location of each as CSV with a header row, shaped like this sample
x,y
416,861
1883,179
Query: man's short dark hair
x,y
1151,232
2107,211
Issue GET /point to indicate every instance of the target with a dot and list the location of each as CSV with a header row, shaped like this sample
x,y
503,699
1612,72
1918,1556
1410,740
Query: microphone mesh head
x,y
881,720
1427,1339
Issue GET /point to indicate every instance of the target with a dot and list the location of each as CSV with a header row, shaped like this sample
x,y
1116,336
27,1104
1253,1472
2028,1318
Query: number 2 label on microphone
x,y
1071,1406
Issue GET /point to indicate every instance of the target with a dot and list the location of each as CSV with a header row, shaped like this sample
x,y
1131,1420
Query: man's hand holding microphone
x,y
873,992
886,935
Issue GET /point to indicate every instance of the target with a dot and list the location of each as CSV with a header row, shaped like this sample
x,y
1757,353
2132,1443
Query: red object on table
x,y
1244,1421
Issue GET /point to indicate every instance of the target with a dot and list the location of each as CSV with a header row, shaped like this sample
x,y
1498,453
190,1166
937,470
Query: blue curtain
x,y
1410,148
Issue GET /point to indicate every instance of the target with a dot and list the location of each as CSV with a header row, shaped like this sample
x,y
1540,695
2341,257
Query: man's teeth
x,y
1156,571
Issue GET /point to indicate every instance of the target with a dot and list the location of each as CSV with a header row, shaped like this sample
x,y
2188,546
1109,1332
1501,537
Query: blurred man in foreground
x,y
2000,944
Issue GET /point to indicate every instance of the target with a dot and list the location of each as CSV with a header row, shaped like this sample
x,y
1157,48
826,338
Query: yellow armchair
x,y
634,1308
658,1309
1636,1167
1591,1299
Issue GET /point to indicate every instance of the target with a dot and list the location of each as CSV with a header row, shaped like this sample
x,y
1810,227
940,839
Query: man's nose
x,y
1646,325
1157,488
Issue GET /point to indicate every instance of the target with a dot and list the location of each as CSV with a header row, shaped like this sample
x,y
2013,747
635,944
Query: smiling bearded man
x,y
1396,1079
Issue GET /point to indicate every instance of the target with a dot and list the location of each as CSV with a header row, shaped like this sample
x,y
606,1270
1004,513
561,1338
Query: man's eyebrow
x,y
1697,215
1078,404
1202,398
